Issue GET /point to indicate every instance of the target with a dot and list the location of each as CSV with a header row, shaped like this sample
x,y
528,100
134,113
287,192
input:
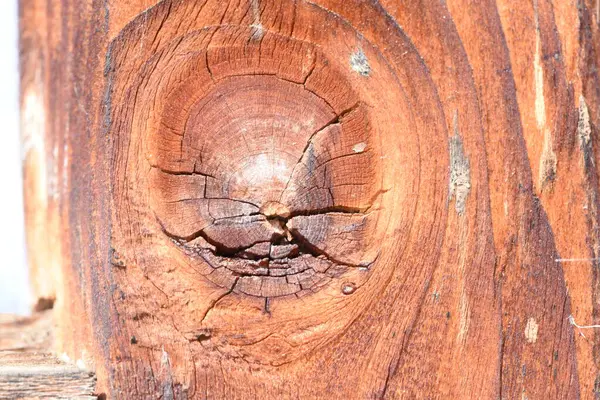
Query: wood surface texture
x,y
28,370
317,199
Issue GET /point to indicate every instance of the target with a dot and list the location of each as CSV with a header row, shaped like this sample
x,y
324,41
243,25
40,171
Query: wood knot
x,y
263,176
251,170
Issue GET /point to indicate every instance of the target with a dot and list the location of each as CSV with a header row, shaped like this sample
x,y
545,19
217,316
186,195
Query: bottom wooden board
x,y
28,369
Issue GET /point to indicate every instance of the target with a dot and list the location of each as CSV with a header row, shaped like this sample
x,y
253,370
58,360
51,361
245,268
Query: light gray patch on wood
x,y
460,176
359,63
584,128
531,330
167,385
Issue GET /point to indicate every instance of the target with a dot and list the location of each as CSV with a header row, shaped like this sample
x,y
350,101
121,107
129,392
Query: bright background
x,y
14,288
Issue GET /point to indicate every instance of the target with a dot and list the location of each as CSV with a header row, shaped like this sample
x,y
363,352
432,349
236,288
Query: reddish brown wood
x,y
317,199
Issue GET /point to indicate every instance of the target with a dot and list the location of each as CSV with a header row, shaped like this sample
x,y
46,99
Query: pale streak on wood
x,y
256,24
580,327
32,121
37,183
584,129
547,162
540,103
576,325
460,179
547,170
464,312
576,259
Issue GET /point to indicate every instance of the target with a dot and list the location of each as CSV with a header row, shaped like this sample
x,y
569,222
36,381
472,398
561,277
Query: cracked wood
x,y
317,199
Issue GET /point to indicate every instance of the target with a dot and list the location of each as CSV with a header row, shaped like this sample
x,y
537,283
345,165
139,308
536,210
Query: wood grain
x,y
317,199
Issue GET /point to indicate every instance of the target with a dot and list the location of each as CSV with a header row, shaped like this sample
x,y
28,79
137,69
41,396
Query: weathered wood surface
x,y
317,199
28,369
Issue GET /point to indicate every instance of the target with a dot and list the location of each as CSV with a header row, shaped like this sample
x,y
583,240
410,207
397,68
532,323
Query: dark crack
x,y
286,237
188,173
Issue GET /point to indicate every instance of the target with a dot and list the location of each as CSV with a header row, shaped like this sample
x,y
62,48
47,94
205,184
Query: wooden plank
x,y
28,370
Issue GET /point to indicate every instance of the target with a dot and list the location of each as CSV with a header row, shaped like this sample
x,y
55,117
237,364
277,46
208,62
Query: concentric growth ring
x,y
258,163
267,178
